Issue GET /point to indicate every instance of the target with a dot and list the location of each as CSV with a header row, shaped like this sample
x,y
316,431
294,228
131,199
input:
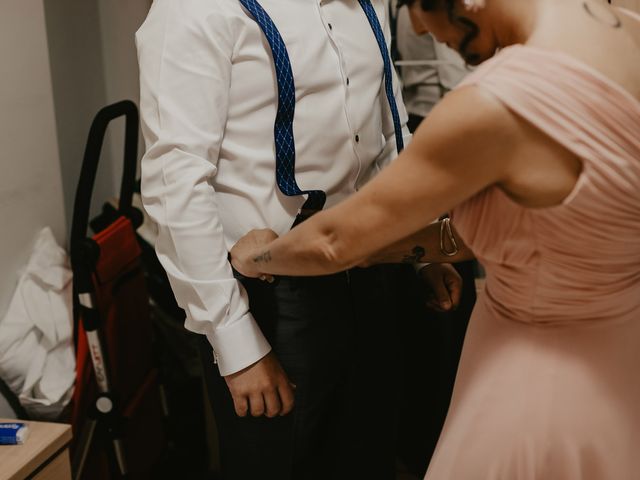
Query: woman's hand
x,y
247,249
444,286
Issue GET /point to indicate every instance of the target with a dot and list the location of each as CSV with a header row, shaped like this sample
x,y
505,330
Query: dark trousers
x,y
335,338
432,344
413,122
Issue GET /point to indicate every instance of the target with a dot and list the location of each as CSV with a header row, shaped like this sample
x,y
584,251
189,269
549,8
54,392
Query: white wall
x,y
119,20
79,88
30,183
94,63
62,60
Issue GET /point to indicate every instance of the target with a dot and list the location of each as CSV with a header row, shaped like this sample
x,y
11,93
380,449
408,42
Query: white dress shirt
x,y
208,104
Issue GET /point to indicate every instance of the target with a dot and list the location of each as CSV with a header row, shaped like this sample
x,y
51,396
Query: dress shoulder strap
x,y
573,103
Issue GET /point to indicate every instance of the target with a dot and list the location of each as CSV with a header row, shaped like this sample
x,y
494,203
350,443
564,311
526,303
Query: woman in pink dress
x,y
537,155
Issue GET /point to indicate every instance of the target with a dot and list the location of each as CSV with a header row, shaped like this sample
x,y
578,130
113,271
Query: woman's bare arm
x,y
423,246
464,146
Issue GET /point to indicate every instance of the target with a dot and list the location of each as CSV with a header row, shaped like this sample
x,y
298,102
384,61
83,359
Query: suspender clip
x,y
304,214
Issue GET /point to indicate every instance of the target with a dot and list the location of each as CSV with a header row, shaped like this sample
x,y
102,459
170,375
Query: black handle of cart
x,y
82,204
106,417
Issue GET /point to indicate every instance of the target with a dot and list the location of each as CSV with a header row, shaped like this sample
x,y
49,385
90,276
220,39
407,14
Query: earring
x,y
473,5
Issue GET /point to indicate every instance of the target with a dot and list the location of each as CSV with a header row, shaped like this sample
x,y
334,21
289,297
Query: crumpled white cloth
x,y
37,360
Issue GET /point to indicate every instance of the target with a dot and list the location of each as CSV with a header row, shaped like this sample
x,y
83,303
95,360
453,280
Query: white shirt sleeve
x,y
185,75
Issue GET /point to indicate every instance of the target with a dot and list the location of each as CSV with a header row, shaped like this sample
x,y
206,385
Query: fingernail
x,y
446,305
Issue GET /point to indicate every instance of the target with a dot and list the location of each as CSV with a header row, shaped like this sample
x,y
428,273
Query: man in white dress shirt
x,y
209,96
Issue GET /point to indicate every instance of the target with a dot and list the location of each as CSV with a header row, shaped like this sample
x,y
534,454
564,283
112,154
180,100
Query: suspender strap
x,y
283,126
370,12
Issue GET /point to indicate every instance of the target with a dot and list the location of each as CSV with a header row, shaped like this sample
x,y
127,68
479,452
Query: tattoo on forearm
x,y
603,14
417,253
264,257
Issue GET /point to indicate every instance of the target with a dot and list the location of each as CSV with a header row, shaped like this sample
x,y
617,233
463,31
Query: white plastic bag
x,y
36,338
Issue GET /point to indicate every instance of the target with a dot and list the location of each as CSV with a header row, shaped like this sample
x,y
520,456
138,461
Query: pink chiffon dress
x,y
549,381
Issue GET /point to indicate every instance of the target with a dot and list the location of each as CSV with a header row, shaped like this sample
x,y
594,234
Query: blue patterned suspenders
x,y
283,126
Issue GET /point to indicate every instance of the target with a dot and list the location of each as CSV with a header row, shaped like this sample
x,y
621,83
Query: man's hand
x,y
445,286
261,389
247,248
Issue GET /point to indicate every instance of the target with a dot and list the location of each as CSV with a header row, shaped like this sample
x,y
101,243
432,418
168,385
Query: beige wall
x,y
30,183
75,47
119,20
94,64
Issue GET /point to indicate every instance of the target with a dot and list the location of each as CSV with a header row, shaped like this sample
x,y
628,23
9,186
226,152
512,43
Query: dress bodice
x,y
578,261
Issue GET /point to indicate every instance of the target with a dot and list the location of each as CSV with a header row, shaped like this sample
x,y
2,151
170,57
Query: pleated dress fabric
x,y
549,381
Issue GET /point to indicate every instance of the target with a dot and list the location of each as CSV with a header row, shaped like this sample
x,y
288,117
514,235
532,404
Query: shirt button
x,y
347,81
330,26
357,138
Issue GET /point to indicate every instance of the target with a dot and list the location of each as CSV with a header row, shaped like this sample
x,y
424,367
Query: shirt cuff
x,y
237,346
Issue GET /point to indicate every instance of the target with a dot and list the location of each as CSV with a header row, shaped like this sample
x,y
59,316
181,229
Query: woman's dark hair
x,y
449,6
